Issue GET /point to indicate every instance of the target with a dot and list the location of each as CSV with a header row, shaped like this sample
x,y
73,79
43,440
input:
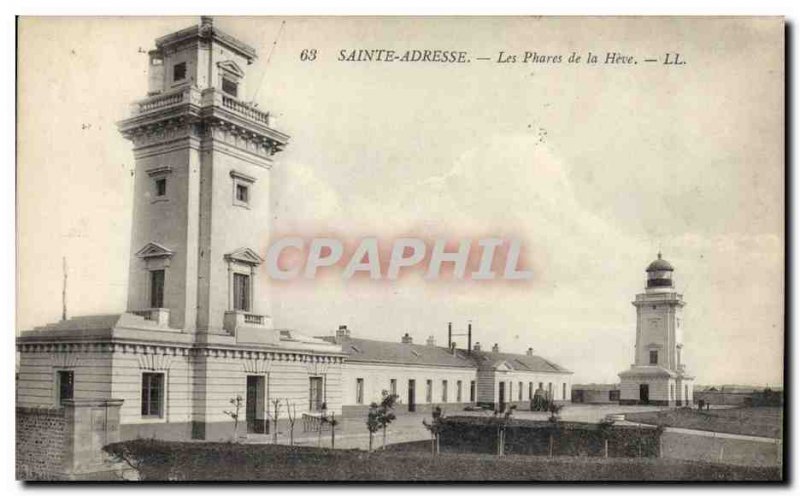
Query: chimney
x,y
206,21
406,339
477,346
449,334
495,348
469,337
342,332
529,352
430,341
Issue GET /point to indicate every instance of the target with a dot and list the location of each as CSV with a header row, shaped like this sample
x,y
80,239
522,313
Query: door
x,y
502,396
315,400
644,394
254,407
685,395
412,406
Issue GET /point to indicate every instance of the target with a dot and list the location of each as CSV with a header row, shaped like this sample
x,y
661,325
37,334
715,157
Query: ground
x,y
755,421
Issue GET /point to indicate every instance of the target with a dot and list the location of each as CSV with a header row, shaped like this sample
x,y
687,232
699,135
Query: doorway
x,y
644,394
502,396
254,408
412,405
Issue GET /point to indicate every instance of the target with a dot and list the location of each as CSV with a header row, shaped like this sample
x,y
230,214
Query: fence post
x,y
605,448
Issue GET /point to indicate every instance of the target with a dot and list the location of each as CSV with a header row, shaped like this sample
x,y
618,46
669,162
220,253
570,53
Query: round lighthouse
x,y
659,275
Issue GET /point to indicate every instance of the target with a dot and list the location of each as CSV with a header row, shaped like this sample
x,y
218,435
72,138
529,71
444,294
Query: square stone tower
x,y
658,376
201,197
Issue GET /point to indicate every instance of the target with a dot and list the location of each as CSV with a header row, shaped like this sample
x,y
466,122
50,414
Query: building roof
x,y
515,361
369,350
659,264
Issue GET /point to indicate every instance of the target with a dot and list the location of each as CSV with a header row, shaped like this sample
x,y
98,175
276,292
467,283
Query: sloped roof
x,y
368,350
519,362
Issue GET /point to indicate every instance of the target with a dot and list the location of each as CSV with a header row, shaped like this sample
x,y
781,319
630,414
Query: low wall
x,y
40,443
718,449
67,443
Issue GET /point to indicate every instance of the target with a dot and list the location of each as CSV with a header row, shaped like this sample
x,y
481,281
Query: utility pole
x,y
64,290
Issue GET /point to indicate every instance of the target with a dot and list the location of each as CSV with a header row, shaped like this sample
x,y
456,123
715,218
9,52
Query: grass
x,y
755,421
161,460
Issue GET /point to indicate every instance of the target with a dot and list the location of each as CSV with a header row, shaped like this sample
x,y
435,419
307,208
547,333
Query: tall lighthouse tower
x,y
201,196
657,375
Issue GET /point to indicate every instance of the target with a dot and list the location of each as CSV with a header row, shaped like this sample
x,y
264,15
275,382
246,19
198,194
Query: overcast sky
x,y
594,167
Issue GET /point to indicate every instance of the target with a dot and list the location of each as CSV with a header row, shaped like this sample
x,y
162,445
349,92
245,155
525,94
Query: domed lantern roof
x,y
659,265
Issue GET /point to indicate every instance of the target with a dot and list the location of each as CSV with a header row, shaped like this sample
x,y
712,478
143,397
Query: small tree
x,y
501,420
333,422
276,408
435,427
373,421
291,413
234,414
605,428
386,413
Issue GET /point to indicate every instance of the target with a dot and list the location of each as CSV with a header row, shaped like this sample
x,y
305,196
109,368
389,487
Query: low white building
x,y
426,375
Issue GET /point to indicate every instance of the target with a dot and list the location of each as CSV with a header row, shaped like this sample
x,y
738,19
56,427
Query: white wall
x,y
377,379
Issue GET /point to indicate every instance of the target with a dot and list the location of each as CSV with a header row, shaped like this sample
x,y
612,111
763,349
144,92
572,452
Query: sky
x,y
594,167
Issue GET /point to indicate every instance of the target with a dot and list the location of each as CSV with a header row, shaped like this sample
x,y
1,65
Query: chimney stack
x,y
342,332
430,341
469,337
477,346
449,334
495,348
206,21
406,339
529,352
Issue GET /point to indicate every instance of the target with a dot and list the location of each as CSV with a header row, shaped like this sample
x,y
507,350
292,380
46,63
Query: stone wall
x,y
40,443
67,443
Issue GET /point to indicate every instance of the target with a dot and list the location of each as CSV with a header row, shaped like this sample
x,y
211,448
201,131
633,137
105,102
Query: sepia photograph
x,y
472,249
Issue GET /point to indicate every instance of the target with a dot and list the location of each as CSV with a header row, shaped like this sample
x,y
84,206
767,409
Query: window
x,y
472,391
458,391
444,391
359,391
550,390
541,385
66,385
315,399
179,71
157,288
672,391
530,390
242,193
563,390
230,87
428,391
161,187
520,391
241,292
653,357
393,386
152,394
613,395
241,188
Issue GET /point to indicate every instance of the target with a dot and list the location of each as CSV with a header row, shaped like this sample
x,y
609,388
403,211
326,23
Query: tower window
x,y
179,71
157,288
241,292
66,385
230,87
653,357
242,193
161,187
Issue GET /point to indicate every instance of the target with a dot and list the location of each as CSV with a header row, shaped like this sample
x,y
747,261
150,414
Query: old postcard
x,y
400,249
